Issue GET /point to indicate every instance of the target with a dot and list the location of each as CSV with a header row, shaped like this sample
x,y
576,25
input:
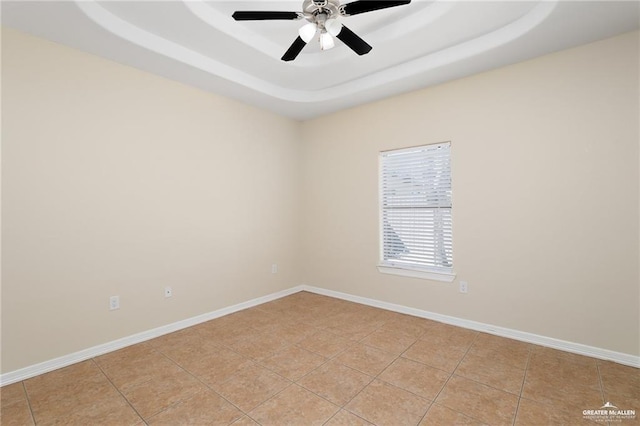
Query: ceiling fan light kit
x,y
308,31
322,16
333,27
326,41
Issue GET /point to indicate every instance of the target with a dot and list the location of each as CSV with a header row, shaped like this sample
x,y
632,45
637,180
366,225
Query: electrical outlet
x,y
274,268
464,287
114,303
168,292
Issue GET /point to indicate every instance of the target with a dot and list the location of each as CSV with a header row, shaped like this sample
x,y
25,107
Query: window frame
x,y
423,272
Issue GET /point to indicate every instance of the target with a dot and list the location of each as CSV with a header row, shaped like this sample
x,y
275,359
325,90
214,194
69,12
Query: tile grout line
x,y
376,377
118,390
600,382
259,364
26,394
329,419
449,378
524,380
204,384
268,399
198,379
295,382
363,388
333,358
408,359
154,349
296,344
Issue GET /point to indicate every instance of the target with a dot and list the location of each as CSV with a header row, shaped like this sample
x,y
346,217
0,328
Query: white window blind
x,y
416,208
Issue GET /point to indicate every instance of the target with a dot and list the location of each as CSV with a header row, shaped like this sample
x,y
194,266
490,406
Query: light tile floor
x,y
308,359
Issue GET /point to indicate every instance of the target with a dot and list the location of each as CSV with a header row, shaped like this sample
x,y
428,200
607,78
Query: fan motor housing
x,y
311,8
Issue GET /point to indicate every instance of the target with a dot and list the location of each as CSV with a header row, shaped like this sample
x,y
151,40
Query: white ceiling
x,y
414,46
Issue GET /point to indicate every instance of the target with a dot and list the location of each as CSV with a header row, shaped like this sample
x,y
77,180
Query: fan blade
x,y
294,50
354,42
261,15
362,6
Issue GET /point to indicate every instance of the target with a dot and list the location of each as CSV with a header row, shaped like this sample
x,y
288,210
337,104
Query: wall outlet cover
x,y
114,303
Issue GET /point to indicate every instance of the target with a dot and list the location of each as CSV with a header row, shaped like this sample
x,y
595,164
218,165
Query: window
x,y
415,216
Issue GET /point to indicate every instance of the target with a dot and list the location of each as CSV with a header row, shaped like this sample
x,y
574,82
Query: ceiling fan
x,y
322,16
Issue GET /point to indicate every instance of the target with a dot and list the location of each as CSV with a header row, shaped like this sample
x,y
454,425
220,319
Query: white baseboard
x,y
66,360
63,361
577,348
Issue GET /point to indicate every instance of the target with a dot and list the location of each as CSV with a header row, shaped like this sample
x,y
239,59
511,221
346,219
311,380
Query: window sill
x,y
435,276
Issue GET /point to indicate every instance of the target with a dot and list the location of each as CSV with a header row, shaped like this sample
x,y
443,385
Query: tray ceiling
x,y
414,46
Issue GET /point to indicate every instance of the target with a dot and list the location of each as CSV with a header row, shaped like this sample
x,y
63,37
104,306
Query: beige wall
x,y
117,182
545,181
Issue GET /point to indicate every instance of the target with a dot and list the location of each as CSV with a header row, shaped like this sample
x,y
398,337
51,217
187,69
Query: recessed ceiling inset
x,y
415,44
